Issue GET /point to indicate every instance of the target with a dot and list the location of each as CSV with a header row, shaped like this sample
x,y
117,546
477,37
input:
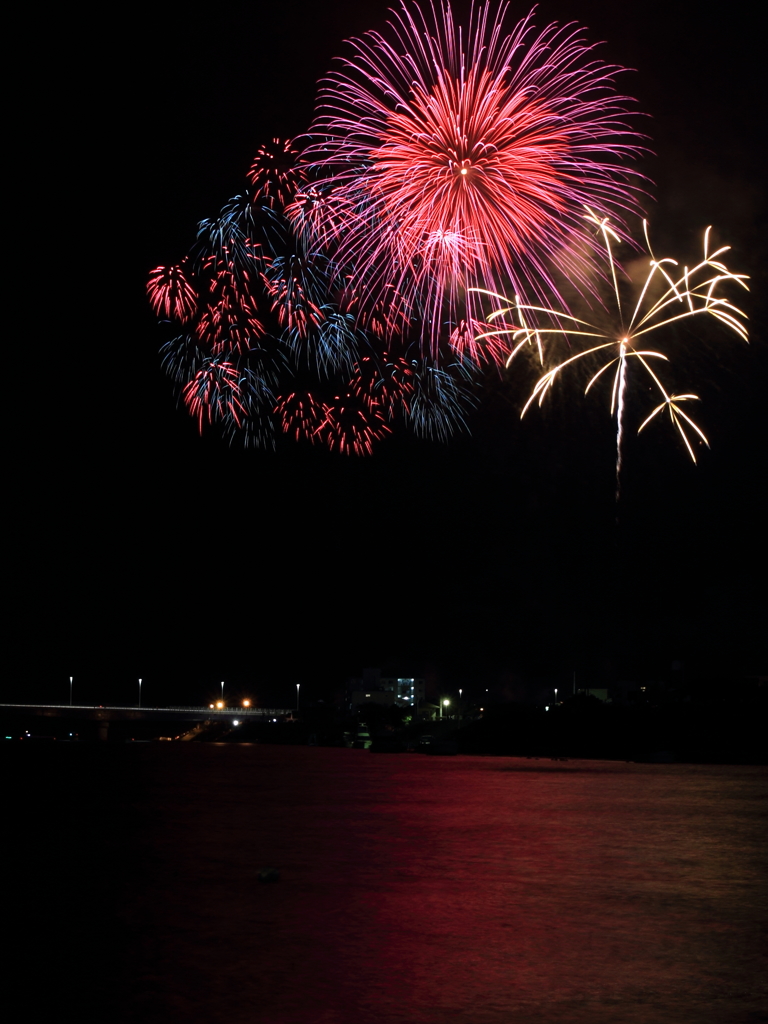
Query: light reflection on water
x,y
423,889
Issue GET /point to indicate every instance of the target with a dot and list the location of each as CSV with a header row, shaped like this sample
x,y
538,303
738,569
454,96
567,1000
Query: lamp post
x,y
139,693
222,692
443,703
555,695
297,697
70,691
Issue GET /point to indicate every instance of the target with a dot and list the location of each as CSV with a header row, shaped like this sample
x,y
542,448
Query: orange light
x,y
219,703
246,703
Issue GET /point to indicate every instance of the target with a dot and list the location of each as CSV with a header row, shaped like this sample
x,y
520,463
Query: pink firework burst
x,y
463,157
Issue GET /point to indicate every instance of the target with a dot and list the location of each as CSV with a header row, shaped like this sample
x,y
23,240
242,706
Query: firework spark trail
x,y
697,293
622,384
448,159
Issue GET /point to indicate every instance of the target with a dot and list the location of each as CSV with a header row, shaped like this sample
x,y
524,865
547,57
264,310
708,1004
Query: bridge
x,y
103,715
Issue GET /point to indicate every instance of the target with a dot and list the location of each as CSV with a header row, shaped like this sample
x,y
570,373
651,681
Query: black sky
x,y
143,550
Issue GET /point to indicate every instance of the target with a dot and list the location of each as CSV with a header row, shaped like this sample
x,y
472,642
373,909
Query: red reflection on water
x,y
428,890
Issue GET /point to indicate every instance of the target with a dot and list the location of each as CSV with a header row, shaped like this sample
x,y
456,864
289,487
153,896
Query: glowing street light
x,y
139,693
70,691
246,703
443,704
297,697
222,691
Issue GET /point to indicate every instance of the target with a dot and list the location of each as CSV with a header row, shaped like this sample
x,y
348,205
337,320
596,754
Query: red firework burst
x,y
274,173
386,316
171,294
301,415
229,320
383,383
464,158
288,280
214,394
351,427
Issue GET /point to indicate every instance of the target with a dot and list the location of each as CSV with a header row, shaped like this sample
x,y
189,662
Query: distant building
x,y
601,692
408,691
405,691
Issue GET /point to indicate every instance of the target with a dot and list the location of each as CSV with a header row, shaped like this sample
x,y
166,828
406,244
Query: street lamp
x,y
297,697
222,691
555,695
139,693
70,691
443,703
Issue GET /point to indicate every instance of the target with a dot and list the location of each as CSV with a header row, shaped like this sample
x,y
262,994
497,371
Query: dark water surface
x,y
467,890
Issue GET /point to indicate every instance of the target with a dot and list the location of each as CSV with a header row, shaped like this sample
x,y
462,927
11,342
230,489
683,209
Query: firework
x,y
351,427
182,356
447,160
214,394
441,398
336,344
301,415
274,173
384,382
387,317
229,319
296,290
237,398
464,342
228,237
694,292
255,428
170,293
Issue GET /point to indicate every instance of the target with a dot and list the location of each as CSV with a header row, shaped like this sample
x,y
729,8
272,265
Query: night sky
x,y
143,550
